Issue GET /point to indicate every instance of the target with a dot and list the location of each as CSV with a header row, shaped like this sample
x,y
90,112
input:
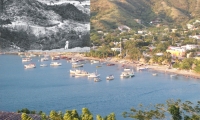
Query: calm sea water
x,y
52,88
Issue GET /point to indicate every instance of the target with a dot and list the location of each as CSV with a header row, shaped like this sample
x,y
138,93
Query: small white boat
x,y
154,74
97,79
131,73
75,65
55,64
43,65
142,68
44,59
27,59
81,73
73,71
127,69
124,75
173,75
55,57
110,77
29,66
93,75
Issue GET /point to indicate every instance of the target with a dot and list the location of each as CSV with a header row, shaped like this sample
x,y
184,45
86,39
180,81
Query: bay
x,y
52,88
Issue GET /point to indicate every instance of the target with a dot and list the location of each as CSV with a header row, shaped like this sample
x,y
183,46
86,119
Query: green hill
x,y
108,14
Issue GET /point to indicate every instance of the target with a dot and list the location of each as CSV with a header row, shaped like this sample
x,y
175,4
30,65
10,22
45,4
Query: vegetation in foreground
x,y
173,110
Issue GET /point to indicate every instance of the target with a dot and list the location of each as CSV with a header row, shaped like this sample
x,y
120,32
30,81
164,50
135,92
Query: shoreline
x,y
118,61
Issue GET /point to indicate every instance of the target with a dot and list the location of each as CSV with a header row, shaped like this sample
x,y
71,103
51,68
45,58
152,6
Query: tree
x,y
86,115
24,116
2,4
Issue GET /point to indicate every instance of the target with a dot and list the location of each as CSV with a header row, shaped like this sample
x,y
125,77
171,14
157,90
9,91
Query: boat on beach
x,y
31,65
110,77
55,64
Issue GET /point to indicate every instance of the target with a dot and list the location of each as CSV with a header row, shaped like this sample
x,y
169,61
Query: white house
x,y
116,49
189,47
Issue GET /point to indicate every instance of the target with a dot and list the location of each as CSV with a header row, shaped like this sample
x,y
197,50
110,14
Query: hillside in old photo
x,y
44,24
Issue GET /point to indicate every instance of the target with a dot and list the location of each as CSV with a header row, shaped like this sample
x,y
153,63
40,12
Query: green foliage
x,y
71,115
86,115
24,116
176,109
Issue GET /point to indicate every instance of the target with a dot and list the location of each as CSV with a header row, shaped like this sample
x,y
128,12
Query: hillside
x,y
108,14
49,25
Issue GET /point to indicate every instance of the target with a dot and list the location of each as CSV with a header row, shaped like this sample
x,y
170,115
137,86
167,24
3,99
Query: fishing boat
x,y
98,66
110,64
127,69
29,66
81,73
173,75
55,57
75,65
43,65
97,79
130,73
110,77
124,75
44,59
74,71
154,74
55,64
27,59
93,75
94,61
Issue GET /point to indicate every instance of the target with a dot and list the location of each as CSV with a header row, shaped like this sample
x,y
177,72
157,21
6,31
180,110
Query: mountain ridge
x,y
169,11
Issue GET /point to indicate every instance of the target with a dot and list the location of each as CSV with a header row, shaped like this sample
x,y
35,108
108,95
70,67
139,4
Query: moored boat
x,y
55,64
44,59
43,65
55,58
93,75
124,75
27,59
75,65
97,79
110,64
29,66
81,73
127,69
110,77
154,74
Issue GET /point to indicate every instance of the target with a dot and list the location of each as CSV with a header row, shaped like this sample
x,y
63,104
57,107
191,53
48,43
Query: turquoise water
x,y
52,88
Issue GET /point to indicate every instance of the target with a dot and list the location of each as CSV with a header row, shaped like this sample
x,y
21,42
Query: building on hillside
x,y
174,30
190,27
139,21
116,49
189,46
124,28
176,51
